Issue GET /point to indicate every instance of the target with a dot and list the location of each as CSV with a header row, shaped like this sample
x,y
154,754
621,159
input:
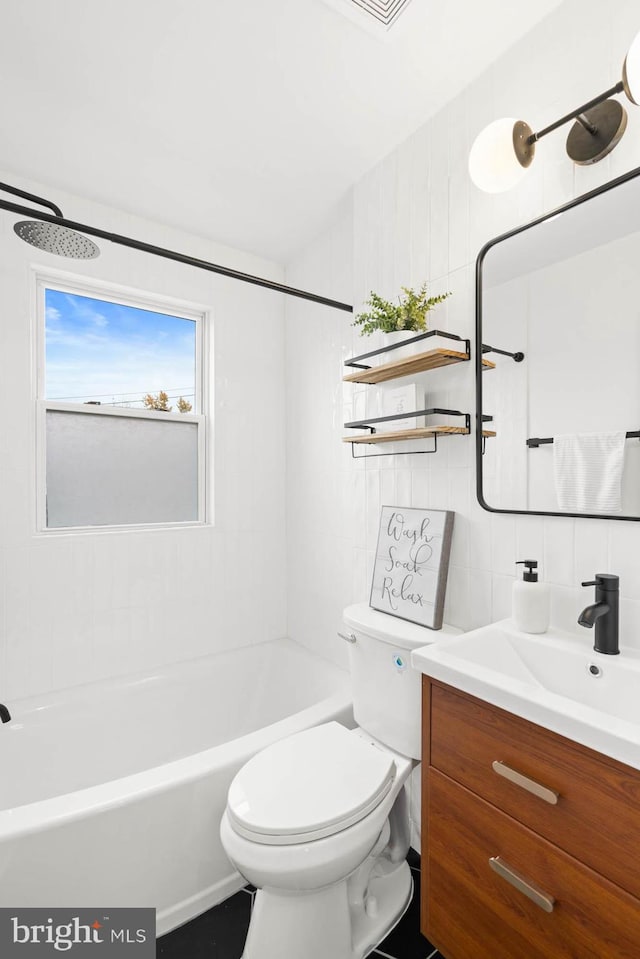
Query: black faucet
x,y
604,613
5,715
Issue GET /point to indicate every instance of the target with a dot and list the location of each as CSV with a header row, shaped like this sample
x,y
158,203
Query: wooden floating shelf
x,y
408,365
419,432
431,360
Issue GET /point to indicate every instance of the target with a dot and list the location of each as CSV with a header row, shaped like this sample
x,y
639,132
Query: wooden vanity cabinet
x,y
530,842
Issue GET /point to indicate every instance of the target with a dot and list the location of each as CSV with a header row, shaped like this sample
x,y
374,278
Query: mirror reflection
x,y
565,292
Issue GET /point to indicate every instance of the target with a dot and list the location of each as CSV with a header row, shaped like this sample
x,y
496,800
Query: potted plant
x,y
398,320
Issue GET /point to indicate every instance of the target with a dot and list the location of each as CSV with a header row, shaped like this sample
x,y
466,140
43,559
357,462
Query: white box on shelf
x,y
393,400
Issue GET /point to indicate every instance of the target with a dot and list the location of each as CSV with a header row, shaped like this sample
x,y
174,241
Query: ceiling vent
x,y
385,11
379,15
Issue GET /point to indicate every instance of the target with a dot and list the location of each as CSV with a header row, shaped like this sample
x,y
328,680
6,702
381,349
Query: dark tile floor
x,y
220,932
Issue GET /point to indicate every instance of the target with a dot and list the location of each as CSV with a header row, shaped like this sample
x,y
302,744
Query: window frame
x,y
126,296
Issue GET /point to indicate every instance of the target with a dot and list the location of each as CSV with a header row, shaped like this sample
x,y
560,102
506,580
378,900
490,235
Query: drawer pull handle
x,y
542,792
529,889
350,638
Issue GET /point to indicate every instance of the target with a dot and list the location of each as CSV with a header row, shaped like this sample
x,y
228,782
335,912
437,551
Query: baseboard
x,y
177,915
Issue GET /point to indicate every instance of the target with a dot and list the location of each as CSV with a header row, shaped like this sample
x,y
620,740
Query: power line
x,y
174,389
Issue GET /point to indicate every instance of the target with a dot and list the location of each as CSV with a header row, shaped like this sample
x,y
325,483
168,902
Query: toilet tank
x,y
387,692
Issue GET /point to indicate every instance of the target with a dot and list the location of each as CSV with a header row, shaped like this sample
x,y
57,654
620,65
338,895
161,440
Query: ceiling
x,y
245,121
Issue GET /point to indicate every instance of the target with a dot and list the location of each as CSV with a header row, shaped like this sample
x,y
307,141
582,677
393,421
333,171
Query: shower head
x,y
52,237
56,239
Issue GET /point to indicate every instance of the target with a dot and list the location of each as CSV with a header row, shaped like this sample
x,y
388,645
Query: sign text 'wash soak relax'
x,y
412,560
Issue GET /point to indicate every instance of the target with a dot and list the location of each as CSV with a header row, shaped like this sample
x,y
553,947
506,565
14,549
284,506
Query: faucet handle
x,y
606,581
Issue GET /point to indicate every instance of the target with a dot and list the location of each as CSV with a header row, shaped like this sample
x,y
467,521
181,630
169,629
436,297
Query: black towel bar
x,y
535,441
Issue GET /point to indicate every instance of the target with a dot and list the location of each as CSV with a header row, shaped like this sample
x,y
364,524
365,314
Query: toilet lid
x,y
309,785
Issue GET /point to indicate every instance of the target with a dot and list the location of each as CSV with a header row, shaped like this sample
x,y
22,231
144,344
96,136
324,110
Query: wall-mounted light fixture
x,y
503,151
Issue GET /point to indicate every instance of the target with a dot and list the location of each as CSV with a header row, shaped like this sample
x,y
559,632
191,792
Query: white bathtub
x,y
111,794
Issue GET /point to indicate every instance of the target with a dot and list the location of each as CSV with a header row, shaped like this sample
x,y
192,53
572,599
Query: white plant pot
x,y
399,336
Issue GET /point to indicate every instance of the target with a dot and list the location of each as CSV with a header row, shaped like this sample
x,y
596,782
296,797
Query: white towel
x,y
587,470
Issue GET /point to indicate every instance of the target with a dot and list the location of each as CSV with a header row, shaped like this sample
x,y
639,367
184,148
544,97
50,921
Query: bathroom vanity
x,y
530,841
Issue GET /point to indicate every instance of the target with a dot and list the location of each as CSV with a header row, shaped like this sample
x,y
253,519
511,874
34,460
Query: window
x,y
121,428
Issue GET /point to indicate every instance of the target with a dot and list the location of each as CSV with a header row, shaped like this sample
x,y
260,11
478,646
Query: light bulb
x,y
631,71
500,155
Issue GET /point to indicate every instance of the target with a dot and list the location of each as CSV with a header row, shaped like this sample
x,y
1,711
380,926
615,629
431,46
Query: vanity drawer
x,y
470,910
479,745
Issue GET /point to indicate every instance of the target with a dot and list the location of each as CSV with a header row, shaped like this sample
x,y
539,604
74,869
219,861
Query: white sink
x,y
554,679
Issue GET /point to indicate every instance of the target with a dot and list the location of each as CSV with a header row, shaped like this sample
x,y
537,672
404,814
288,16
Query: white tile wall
x,y
416,216
81,607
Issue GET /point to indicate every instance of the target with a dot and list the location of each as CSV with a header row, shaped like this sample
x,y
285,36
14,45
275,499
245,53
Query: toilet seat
x,y
309,786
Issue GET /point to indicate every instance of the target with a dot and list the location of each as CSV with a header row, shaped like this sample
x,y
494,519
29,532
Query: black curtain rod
x,y
173,255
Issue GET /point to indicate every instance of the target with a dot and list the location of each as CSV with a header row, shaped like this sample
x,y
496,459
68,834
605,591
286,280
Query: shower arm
x,y
128,241
7,188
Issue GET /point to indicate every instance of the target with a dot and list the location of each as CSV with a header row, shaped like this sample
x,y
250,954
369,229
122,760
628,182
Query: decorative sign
x,y
411,565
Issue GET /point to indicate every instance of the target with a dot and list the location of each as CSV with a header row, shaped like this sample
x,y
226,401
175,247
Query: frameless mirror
x,y
557,356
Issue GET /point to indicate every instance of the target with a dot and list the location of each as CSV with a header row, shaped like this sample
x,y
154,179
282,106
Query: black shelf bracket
x,y
485,419
368,425
355,360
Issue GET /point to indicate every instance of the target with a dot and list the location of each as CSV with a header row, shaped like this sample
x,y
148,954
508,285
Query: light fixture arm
x,y
577,114
501,153
586,124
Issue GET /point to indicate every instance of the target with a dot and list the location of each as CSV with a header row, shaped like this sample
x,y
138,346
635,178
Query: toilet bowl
x,y
318,821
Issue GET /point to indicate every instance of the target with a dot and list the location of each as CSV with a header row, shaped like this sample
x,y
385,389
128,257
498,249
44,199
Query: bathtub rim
x,y
54,811
54,699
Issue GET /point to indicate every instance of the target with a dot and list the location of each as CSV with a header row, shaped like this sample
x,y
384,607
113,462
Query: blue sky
x,y
97,350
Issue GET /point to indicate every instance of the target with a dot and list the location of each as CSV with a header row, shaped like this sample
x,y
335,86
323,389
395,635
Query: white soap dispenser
x,y
530,600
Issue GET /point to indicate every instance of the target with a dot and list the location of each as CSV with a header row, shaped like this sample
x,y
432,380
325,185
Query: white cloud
x,y
84,311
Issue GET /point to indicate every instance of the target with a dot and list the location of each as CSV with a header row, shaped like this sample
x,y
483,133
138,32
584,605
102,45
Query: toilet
x,y
319,821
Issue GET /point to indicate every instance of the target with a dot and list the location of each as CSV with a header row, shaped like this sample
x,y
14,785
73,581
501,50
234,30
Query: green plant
x,y
410,313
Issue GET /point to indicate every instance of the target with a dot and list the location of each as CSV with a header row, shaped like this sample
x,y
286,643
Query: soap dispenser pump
x,y
530,600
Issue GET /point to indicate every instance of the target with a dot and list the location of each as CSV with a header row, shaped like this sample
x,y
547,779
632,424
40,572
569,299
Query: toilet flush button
x,y
399,661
